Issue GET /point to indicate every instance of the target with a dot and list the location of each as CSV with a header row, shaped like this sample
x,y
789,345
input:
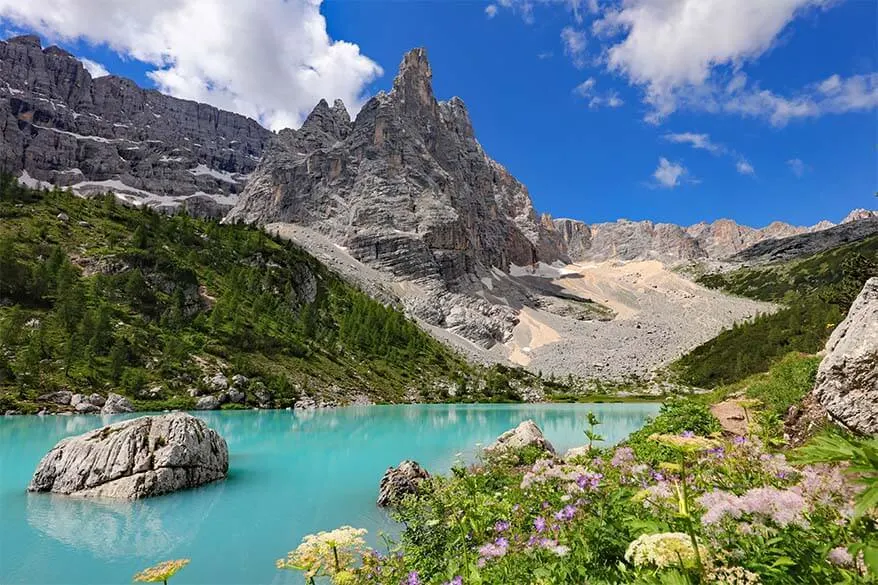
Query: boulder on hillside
x,y
133,459
116,404
398,482
207,403
526,434
61,397
847,380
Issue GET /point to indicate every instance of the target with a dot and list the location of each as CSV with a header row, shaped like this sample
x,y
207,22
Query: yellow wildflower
x,y
161,572
691,443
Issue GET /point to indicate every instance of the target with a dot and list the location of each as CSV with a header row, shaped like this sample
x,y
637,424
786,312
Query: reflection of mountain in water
x,y
112,529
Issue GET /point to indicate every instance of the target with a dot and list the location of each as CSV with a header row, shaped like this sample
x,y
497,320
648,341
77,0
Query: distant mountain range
x,y
405,188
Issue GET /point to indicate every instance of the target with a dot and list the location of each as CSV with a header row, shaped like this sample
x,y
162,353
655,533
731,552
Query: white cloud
x,y
668,174
94,68
700,141
271,60
834,95
574,45
797,166
545,55
586,90
491,10
745,168
670,44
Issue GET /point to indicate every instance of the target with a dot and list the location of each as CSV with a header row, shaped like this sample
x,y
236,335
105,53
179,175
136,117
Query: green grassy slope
x,y
95,296
815,291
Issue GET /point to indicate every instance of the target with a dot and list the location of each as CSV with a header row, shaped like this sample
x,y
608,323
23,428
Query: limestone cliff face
x,y
60,126
405,187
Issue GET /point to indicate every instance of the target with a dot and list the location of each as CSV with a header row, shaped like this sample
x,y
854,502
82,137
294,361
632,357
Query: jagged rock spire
x,y
413,85
334,121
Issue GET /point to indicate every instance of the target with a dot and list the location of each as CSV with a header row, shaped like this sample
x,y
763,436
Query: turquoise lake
x,y
291,473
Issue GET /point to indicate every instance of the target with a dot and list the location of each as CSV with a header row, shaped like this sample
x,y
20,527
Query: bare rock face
x,y
400,481
847,380
406,189
138,458
60,126
526,434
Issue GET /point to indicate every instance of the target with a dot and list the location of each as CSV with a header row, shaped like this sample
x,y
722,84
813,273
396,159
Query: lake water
x,y
291,473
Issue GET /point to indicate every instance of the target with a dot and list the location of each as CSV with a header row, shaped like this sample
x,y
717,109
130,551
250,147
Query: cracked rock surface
x,y
133,459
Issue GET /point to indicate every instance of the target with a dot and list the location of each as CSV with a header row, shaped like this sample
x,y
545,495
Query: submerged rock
x,y
133,459
526,434
400,481
847,380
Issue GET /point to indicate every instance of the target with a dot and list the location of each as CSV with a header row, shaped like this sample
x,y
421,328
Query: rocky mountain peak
x,y
29,40
858,214
413,85
327,124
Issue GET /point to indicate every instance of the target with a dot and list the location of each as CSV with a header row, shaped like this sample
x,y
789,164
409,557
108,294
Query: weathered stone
x,y
526,434
60,126
847,379
84,407
76,399
217,383
138,458
62,397
116,404
97,399
400,481
207,403
577,452
236,396
239,380
262,394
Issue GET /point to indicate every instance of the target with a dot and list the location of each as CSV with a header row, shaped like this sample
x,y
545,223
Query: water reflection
x,y
111,529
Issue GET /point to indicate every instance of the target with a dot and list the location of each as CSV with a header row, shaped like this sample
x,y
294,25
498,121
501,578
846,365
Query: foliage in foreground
x,y
718,512
815,292
95,295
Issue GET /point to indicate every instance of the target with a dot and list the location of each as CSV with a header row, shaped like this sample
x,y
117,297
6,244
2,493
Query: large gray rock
x,y
526,434
847,380
207,403
60,126
62,397
116,404
138,458
398,482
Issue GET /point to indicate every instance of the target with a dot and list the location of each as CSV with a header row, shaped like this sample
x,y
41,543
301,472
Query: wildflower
x,y
622,456
589,480
732,576
413,579
739,440
161,572
501,526
782,506
457,580
539,524
326,553
687,434
560,550
565,514
663,550
840,557
492,550
719,504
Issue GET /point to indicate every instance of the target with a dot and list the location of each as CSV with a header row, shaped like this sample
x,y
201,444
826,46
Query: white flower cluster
x,y
326,553
666,549
733,576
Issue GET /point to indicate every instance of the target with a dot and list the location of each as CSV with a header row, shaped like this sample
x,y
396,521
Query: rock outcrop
x,y
116,404
400,481
133,459
405,188
847,380
526,434
60,126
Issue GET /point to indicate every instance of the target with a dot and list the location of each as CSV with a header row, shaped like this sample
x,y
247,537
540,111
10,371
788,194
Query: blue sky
x,y
770,115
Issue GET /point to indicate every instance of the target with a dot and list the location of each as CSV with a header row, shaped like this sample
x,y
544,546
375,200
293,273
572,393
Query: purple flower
x,y
840,557
589,480
516,508
739,440
413,579
539,524
501,526
492,550
687,434
622,456
565,514
458,580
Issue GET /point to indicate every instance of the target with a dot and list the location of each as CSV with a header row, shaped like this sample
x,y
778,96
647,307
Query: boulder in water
x,y
133,459
526,434
116,404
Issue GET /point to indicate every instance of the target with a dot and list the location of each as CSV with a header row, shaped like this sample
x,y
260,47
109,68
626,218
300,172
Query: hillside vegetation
x,y
815,293
95,296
